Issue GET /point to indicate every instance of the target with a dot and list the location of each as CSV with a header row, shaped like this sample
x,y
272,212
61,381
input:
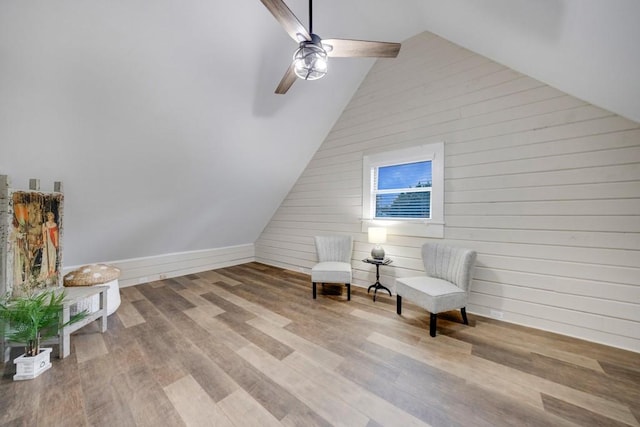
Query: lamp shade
x,y
377,235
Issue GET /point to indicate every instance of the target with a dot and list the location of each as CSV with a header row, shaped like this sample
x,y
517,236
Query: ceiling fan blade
x,y
287,19
287,80
342,48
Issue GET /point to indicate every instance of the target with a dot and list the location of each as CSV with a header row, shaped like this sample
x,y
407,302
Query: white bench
x,y
72,296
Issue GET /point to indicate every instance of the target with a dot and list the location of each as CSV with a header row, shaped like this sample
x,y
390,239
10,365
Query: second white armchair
x,y
446,285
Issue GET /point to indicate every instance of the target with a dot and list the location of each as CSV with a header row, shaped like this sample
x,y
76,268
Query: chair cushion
x,y
434,295
331,272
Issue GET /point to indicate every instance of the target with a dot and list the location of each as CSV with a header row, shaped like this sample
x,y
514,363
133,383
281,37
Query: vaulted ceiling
x,y
160,117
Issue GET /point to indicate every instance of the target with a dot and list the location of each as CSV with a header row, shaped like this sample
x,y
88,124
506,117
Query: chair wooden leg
x,y
348,291
432,324
398,304
463,310
314,290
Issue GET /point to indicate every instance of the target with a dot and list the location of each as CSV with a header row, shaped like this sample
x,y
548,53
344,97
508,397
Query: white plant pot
x,y
30,367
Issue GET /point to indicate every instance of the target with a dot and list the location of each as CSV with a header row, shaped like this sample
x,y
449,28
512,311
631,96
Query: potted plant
x,y
29,319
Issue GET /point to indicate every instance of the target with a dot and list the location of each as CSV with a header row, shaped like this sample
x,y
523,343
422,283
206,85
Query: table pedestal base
x,y
377,286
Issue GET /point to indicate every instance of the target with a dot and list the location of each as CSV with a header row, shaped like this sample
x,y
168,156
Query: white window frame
x,y
432,227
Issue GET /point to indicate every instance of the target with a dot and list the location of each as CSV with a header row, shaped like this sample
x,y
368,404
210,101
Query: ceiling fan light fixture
x,y
310,60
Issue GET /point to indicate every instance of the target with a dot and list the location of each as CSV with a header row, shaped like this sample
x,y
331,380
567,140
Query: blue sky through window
x,y
407,175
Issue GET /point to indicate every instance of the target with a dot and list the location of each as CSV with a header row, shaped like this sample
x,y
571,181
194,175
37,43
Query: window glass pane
x,y
408,175
404,205
404,189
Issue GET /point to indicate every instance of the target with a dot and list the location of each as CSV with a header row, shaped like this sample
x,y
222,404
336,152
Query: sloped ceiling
x,y
160,117
588,49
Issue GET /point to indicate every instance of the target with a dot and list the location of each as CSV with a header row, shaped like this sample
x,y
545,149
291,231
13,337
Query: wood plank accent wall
x,y
543,185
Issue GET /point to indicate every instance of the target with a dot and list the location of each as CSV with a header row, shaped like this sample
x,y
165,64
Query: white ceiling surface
x,y
587,48
160,117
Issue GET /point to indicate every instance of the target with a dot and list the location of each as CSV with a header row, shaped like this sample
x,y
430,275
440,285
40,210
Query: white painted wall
x,y
147,269
160,117
544,186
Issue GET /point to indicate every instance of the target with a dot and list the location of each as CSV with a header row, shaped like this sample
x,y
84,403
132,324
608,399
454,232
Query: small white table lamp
x,y
377,235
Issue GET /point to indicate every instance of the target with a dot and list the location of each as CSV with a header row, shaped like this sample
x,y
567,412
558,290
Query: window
x,y
403,190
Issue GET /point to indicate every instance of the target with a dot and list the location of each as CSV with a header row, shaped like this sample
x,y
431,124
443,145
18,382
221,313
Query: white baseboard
x,y
583,333
147,269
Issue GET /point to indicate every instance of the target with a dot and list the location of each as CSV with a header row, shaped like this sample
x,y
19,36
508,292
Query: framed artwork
x,y
33,244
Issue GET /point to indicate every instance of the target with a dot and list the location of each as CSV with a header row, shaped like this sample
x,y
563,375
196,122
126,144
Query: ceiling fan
x,y
310,59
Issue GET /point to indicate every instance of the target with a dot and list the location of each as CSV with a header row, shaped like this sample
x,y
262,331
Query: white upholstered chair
x,y
446,285
334,261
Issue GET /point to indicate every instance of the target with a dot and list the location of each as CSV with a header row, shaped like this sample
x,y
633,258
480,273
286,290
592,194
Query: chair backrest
x,y
334,248
449,263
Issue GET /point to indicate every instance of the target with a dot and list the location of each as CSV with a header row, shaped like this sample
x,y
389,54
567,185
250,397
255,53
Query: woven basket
x,y
89,275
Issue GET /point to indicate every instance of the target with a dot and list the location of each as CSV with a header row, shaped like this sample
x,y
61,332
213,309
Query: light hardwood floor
x,y
247,345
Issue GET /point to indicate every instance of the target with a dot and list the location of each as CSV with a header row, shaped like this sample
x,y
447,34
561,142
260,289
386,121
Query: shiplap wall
x,y
543,185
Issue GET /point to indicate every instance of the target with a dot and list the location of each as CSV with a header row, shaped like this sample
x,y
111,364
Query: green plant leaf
x,y
26,319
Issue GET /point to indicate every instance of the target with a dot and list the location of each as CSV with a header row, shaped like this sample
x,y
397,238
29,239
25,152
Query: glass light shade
x,y
310,61
377,235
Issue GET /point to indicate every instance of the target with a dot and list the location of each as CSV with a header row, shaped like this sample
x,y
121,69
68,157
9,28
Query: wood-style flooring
x,y
248,346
